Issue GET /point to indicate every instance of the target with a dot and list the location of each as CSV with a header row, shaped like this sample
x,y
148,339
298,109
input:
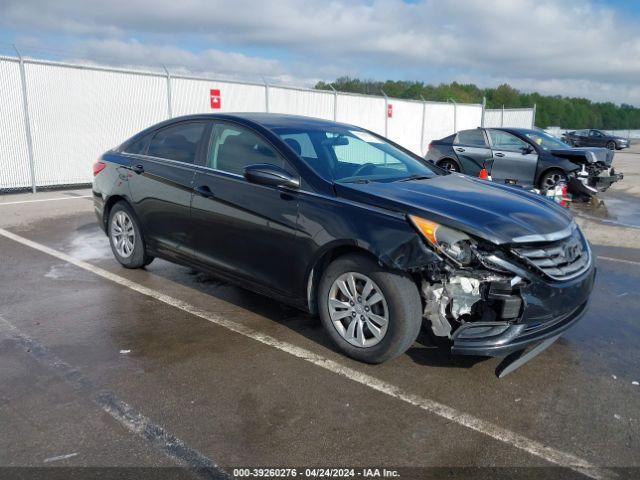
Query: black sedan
x,y
595,138
528,158
339,221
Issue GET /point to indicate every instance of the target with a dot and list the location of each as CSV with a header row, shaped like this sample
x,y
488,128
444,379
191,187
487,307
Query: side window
x,y
232,148
179,142
596,133
301,144
472,138
505,141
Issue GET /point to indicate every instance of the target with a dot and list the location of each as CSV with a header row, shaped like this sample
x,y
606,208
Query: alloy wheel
x,y
358,309
550,181
448,165
123,234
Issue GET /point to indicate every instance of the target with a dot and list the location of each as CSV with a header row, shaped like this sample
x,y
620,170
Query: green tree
x,y
555,110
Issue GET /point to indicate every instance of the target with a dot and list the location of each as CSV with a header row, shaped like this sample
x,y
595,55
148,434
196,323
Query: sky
x,y
584,48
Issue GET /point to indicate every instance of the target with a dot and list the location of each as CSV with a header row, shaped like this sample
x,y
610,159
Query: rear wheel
x,y
371,313
552,178
611,145
125,237
449,165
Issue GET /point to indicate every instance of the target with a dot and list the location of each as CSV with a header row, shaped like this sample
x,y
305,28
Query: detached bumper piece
x,y
494,339
604,182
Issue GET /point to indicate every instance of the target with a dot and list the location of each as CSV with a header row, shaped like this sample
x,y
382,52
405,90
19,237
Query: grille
x,y
561,260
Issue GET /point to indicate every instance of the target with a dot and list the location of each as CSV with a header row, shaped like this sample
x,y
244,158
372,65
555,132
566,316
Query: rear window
x,y
138,146
472,138
179,142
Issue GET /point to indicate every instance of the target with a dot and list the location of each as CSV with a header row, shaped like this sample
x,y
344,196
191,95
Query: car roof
x,y
521,131
268,120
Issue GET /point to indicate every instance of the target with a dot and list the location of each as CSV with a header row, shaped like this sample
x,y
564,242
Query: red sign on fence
x,y
389,111
214,96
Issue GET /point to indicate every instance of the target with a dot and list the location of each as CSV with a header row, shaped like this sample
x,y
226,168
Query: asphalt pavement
x,y
106,367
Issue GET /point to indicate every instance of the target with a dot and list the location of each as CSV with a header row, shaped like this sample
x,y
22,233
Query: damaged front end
x,y
495,301
595,172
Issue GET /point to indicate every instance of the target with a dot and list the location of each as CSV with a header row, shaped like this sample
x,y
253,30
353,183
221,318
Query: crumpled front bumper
x,y
596,184
549,309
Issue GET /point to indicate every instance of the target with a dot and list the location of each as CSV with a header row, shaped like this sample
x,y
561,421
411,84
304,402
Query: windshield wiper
x,y
414,177
359,180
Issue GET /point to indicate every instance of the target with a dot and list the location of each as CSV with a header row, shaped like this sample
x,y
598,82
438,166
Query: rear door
x,y
472,149
161,184
243,229
596,139
514,160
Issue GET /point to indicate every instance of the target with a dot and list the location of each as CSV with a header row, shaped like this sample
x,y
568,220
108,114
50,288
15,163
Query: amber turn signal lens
x,y
426,227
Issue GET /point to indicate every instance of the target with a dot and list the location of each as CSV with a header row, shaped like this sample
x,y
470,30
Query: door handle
x,y
138,169
499,154
204,191
459,149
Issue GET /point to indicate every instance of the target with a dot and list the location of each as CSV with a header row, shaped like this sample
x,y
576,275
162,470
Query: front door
x,y
472,150
514,160
161,184
243,229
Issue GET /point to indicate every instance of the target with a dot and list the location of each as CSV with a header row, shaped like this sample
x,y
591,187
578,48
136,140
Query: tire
x,y
449,165
400,305
125,237
551,178
611,145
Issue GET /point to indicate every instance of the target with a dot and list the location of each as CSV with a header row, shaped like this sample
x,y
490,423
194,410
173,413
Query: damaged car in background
x,y
341,222
531,159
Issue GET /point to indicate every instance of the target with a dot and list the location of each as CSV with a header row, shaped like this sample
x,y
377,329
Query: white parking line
x,y
492,430
618,260
45,200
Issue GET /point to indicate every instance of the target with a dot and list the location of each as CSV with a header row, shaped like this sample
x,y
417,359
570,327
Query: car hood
x,y
590,154
497,213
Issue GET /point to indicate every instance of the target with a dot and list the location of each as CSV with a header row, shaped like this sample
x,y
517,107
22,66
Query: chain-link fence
x,y
56,118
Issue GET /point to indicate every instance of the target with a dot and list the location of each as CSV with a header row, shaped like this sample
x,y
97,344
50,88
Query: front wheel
x,y
552,178
125,237
611,145
371,313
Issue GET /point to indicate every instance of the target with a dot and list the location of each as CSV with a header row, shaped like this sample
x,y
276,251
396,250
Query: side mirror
x,y
527,150
270,175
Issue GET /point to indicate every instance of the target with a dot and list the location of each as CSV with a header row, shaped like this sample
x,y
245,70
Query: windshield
x,y
342,154
546,141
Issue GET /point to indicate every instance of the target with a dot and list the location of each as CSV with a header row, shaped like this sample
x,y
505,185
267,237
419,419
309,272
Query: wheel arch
x,y
108,205
322,261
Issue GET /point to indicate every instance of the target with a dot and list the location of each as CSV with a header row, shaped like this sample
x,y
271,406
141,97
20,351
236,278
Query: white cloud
x,y
575,47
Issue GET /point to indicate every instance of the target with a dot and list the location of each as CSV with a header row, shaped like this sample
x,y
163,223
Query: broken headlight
x,y
454,244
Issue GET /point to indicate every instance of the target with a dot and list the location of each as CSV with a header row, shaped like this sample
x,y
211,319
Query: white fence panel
x,y
365,112
492,118
438,122
518,117
301,102
189,96
509,117
14,157
405,124
78,113
468,116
